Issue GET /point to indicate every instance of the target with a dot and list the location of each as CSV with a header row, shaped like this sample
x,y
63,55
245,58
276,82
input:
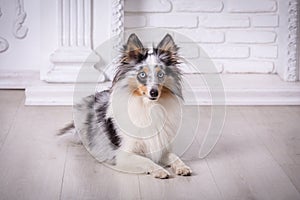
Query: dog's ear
x,y
134,43
167,51
134,50
167,44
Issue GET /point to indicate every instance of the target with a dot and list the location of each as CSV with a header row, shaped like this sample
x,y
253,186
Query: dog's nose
x,y
154,93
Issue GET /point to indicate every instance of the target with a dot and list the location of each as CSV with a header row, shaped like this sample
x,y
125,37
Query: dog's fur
x,y
132,125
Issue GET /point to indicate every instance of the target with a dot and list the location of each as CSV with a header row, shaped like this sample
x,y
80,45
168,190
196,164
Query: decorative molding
x,y
117,23
19,30
298,39
117,36
3,42
292,65
3,45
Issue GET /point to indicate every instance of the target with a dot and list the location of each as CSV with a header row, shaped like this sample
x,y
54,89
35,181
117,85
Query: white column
x,y
74,50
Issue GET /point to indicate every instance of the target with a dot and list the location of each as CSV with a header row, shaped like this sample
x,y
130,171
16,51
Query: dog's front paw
x,y
160,173
182,170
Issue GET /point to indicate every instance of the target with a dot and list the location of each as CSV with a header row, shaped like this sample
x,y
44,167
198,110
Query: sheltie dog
x,y
132,125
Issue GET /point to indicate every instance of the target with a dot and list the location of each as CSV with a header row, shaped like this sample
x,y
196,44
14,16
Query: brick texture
x,y
196,6
242,66
239,36
135,21
200,35
264,51
189,50
259,37
252,6
147,6
222,51
265,21
224,22
173,21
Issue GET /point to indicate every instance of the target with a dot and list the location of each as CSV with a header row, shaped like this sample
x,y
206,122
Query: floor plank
x,y
10,101
278,128
85,178
224,164
194,123
31,160
244,168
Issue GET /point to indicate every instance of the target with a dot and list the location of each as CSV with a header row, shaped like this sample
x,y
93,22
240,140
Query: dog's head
x,y
150,73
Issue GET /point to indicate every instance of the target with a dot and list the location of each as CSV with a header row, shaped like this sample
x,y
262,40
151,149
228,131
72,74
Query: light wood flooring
x,y
257,157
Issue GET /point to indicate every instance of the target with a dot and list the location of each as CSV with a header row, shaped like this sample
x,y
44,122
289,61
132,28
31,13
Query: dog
x,y
132,125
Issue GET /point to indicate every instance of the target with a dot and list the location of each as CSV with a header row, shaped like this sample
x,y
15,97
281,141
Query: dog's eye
x,y
142,74
160,75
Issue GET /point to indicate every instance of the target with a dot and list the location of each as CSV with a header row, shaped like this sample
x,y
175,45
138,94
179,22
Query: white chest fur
x,y
147,127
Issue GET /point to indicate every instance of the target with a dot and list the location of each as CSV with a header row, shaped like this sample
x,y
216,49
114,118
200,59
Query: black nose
x,y
154,93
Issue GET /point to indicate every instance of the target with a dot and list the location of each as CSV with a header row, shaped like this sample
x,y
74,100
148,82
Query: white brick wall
x,y
240,36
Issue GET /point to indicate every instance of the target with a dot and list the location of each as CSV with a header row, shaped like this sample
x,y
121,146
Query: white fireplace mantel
x,y
71,31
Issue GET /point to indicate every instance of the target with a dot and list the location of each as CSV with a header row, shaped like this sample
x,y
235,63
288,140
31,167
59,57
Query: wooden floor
x,y
257,157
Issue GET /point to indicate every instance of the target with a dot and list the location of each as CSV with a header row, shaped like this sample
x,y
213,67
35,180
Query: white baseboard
x,y
239,89
58,93
10,79
246,89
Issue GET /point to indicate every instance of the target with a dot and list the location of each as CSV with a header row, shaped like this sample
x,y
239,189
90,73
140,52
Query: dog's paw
x,y
182,170
160,173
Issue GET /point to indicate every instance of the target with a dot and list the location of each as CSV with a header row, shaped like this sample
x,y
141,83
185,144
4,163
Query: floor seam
x,y
291,180
140,194
63,175
213,177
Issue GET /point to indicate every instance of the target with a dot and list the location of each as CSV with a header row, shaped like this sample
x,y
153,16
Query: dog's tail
x,y
68,128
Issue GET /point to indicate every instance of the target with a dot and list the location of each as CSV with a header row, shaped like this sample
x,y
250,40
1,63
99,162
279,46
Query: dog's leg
x,y
133,163
177,165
